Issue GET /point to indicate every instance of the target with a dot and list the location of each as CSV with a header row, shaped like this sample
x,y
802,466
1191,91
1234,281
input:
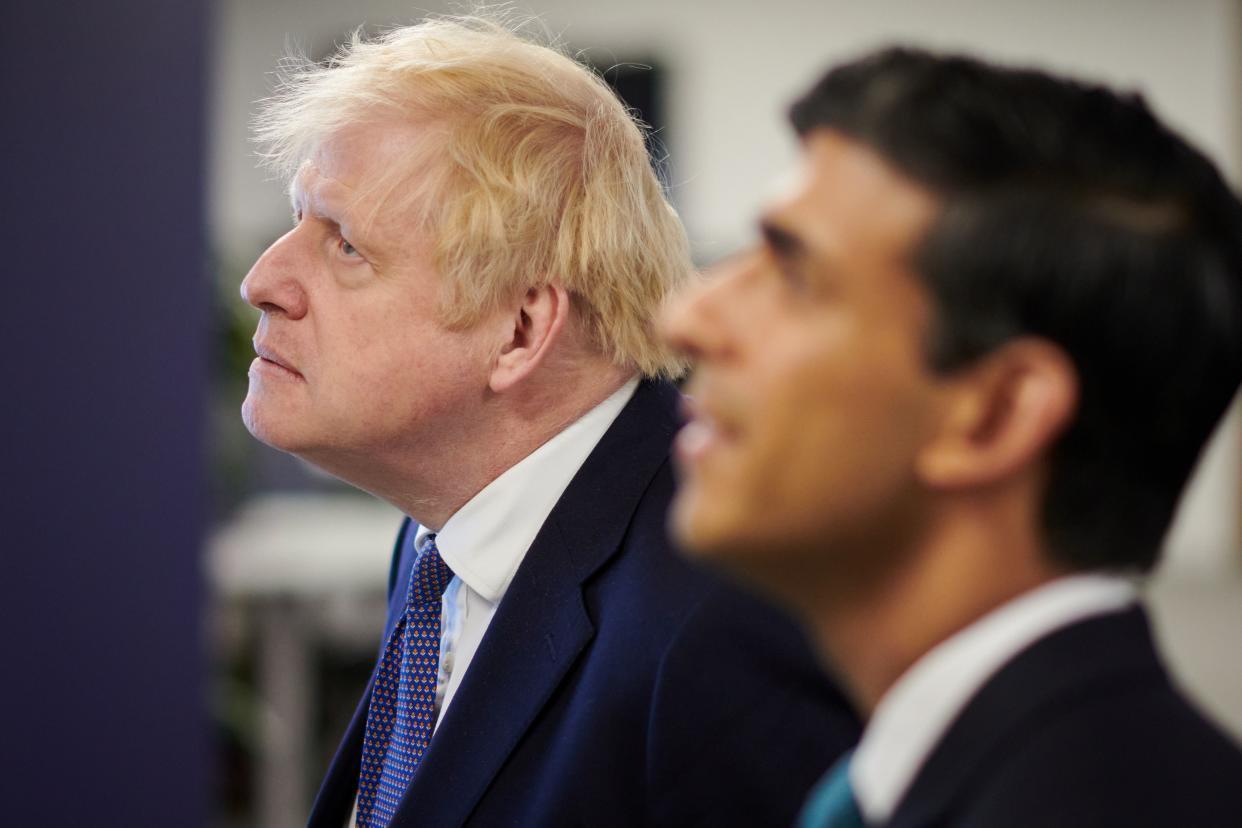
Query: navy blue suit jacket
x,y
617,683
1082,729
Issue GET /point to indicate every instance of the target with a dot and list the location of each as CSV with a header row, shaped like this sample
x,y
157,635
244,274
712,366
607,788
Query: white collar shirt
x,y
918,709
485,541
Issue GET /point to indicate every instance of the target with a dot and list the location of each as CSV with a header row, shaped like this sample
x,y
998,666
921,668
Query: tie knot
x,y
430,575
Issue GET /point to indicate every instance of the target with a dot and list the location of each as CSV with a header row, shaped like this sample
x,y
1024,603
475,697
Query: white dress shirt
x,y
485,540
918,709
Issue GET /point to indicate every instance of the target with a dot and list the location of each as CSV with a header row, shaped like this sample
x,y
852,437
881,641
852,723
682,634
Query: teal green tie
x,y
831,803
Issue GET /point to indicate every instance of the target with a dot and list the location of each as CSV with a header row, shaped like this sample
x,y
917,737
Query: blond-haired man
x,y
460,322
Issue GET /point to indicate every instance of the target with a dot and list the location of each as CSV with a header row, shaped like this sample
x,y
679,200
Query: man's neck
x,y
872,633
512,428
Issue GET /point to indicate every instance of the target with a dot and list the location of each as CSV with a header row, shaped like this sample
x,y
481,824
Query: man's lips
x,y
701,432
273,358
695,439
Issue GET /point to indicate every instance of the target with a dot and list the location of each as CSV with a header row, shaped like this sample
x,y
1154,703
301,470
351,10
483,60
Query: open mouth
x,y
701,433
694,440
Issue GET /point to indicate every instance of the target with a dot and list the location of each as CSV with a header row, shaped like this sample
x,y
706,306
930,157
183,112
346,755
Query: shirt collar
x,y
919,708
485,540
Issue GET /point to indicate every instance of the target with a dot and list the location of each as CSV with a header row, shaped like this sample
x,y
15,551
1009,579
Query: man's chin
x,y
269,430
702,533
275,441
729,547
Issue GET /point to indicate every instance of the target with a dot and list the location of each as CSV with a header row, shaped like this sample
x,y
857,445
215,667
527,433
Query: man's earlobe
x,y
1001,415
535,327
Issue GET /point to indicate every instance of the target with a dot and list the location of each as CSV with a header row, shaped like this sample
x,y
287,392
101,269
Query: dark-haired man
x,y
945,410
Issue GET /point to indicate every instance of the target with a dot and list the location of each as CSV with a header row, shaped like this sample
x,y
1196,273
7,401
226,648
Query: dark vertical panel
x,y
102,349
640,85
1235,55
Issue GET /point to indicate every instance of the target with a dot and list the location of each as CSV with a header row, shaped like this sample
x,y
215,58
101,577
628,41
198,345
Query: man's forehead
x,y
359,167
314,192
844,191
367,146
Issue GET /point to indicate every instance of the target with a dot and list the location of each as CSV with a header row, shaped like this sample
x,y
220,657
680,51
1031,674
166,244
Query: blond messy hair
x,y
541,177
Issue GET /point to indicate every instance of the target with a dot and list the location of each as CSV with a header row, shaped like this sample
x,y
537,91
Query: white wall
x,y
733,68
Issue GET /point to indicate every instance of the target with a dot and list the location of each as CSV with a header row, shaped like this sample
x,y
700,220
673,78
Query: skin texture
x,y
348,305
824,460
816,334
357,374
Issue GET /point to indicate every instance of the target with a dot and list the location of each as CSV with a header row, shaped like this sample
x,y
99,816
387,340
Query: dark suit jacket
x,y
617,684
1081,729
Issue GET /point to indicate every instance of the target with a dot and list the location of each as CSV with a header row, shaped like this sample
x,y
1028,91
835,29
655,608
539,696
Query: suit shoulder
x,y
738,680
1138,756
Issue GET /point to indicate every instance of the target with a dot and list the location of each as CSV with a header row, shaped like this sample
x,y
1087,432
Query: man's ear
x,y
1001,415
532,330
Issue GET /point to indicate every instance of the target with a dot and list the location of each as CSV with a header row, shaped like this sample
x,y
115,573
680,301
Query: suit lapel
x,y
1091,656
542,625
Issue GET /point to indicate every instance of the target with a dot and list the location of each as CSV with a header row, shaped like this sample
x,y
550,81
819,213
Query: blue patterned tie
x,y
402,710
831,803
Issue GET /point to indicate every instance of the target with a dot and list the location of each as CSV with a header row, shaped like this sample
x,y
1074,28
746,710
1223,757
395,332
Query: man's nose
x,y
692,322
274,283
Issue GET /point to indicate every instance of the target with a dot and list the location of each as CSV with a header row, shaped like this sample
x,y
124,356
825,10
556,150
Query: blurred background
x,y
155,548
298,563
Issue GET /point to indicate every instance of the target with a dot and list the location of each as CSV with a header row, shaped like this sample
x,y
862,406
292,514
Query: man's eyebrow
x,y
782,242
300,203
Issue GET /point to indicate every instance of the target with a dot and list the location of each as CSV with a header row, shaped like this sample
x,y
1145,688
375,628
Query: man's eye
x,y
347,248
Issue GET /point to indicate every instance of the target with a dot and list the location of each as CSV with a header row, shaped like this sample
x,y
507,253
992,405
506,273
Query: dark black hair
x,y
1072,214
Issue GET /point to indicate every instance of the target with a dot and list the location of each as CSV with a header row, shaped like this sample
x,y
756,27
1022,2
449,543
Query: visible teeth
x,y
696,435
